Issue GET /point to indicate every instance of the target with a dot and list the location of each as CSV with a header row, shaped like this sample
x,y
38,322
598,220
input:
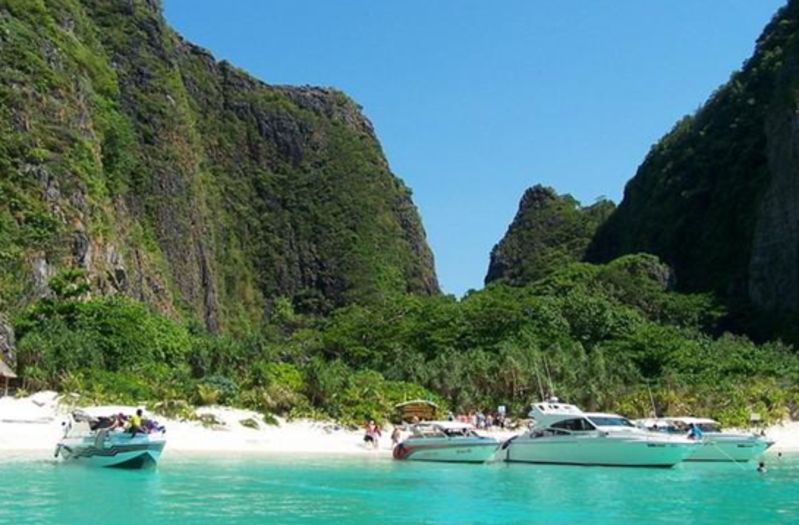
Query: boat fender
x,y
57,450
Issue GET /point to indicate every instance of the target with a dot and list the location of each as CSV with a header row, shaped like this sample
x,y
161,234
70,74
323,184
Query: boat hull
x,y
132,453
477,451
596,450
730,449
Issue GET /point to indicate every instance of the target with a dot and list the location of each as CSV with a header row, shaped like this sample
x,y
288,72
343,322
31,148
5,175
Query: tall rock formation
x,y
718,197
549,230
183,181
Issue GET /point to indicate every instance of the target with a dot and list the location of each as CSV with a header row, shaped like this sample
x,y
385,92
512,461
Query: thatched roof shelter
x,y
419,408
6,373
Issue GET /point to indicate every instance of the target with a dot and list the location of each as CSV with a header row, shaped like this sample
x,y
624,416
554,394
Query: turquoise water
x,y
380,491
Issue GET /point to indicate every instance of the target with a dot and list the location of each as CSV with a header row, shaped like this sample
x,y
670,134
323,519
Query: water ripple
x,y
353,490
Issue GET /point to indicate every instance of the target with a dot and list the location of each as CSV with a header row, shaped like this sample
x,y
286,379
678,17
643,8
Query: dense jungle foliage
x,y
715,198
175,232
603,336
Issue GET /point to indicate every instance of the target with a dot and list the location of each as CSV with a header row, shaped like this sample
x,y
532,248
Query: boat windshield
x,y
663,427
549,432
611,421
575,425
427,431
460,432
709,427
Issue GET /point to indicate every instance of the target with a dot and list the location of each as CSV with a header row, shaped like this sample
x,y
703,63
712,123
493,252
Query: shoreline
x,y
33,425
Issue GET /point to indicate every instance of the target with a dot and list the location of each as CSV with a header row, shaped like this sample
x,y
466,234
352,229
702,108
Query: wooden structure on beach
x,y
417,409
6,373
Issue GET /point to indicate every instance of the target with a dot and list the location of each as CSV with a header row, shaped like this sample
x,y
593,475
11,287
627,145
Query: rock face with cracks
x,y
183,182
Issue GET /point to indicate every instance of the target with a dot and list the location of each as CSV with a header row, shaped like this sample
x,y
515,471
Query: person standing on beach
x,y
395,436
372,434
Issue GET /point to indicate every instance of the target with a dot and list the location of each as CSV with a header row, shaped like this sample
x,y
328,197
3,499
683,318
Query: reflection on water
x,y
362,490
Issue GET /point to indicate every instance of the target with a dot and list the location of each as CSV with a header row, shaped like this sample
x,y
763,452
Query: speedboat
x,y
715,444
564,434
86,441
449,441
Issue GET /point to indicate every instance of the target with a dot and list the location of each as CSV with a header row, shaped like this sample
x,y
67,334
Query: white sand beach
x,y
33,424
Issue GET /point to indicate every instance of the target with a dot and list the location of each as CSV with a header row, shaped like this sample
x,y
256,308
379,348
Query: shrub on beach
x,y
606,337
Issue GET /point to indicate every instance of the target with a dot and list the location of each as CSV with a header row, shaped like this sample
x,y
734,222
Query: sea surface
x,y
248,490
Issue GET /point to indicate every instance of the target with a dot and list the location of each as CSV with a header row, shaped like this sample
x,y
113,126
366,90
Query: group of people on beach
x,y
480,419
373,433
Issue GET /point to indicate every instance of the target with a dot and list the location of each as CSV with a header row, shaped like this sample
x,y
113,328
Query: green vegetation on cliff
x,y
548,232
173,230
716,197
183,182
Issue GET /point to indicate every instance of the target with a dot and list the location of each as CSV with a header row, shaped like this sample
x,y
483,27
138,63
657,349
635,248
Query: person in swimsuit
x,y
372,434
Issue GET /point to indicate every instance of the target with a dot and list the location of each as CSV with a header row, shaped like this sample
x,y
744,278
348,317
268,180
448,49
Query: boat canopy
x,y
692,420
679,424
442,428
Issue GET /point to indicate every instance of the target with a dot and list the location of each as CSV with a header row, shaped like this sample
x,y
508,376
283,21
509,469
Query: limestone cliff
x,y
183,181
717,197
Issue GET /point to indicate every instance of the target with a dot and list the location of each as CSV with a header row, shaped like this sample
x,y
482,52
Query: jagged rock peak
x,y
549,230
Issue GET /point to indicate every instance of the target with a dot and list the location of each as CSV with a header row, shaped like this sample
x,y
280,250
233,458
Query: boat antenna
x,y
549,378
538,379
652,400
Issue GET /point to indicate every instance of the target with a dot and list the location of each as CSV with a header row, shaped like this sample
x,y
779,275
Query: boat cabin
x,y
559,417
555,417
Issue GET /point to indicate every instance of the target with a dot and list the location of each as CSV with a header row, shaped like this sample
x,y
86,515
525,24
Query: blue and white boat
x,y
86,443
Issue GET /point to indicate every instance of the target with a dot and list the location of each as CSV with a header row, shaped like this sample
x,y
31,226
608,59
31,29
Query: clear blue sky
x,y
474,101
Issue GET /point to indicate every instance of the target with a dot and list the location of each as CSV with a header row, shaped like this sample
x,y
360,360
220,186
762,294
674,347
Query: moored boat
x,y
714,443
446,441
564,434
85,441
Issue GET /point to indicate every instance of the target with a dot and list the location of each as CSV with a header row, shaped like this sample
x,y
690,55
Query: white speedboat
x,y
715,445
448,441
84,442
564,434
